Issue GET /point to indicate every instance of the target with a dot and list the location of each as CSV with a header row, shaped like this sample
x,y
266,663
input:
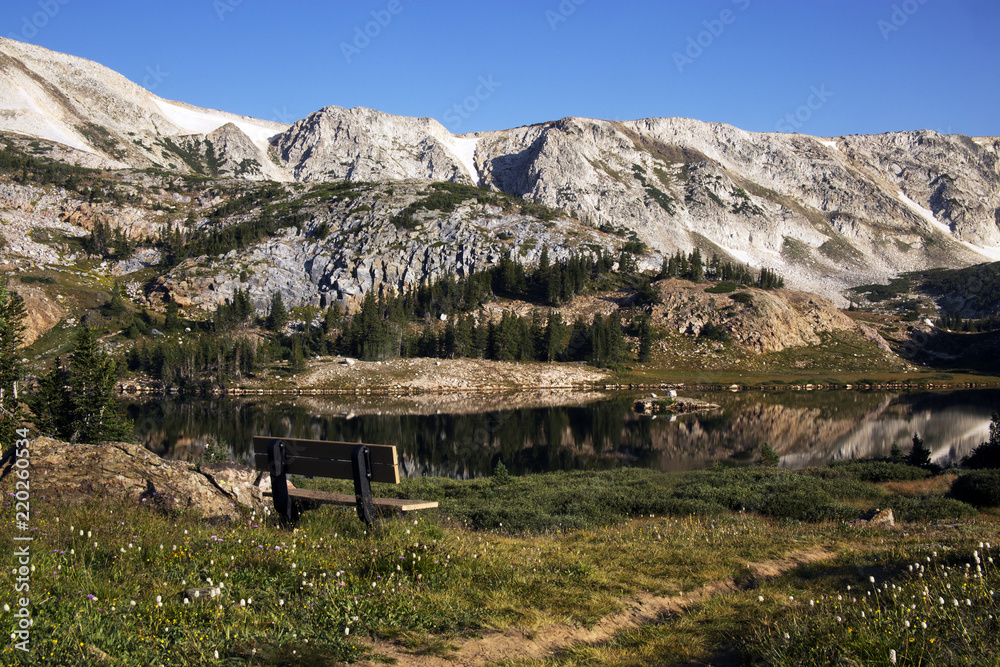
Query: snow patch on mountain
x,y
38,122
742,256
464,149
924,213
992,253
204,121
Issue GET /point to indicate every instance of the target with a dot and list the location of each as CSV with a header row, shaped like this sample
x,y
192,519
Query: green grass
x,y
926,605
510,552
560,501
854,610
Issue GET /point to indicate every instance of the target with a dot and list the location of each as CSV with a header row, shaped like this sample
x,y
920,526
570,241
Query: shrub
x,y
769,457
928,508
742,297
725,287
716,332
980,488
43,280
876,471
776,492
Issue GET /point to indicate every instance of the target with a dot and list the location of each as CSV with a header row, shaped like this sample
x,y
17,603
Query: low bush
x,y
778,493
587,499
725,287
928,508
742,297
716,332
873,471
980,488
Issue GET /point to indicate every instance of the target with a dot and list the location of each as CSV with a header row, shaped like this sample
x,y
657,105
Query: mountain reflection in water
x,y
805,428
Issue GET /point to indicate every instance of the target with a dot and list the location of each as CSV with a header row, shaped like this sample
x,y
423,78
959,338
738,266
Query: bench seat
x,y
330,498
363,463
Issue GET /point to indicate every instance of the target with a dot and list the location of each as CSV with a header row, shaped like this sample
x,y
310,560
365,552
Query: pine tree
x,y
449,344
920,455
697,266
896,454
173,320
672,267
645,339
77,402
296,359
769,457
627,263
665,269
331,318
12,314
277,318
554,286
552,337
616,340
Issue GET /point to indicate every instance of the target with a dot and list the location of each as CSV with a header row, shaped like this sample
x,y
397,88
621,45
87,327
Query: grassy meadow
x,y
734,565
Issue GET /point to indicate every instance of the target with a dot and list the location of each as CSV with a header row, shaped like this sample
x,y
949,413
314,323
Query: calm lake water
x,y
467,437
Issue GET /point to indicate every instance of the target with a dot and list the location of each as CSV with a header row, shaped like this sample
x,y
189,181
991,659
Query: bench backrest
x,y
322,458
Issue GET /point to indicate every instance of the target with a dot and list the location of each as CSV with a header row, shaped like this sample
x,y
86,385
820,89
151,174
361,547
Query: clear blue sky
x,y
865,66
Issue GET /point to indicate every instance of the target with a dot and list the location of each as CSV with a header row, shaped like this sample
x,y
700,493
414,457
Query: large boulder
x,y
119,470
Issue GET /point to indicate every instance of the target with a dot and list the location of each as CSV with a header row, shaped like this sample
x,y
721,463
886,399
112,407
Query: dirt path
x,y
515,644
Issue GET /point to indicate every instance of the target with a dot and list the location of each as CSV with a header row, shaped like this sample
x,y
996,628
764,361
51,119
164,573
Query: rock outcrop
x,y
757,320
361,144
365,250
122,471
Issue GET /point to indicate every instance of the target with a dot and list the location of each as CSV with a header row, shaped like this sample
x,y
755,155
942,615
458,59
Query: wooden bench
x,y
337,460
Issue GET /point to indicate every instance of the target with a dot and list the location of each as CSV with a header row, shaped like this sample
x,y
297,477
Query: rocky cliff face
x,y
825,213
350,245
360,144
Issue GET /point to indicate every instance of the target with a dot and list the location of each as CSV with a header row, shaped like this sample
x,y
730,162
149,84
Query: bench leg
x,y
286,508
361,463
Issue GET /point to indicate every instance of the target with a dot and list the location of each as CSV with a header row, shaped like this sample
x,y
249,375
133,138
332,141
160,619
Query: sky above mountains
x,y
821,67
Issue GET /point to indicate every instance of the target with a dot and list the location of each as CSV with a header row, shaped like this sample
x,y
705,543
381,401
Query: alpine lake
x,y
465,435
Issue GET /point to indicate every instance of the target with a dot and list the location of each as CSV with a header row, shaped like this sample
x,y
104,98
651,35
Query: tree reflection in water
x,y
805,428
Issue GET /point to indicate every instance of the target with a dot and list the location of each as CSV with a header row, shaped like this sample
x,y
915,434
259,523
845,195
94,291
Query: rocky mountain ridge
x,y
110,122
827,214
